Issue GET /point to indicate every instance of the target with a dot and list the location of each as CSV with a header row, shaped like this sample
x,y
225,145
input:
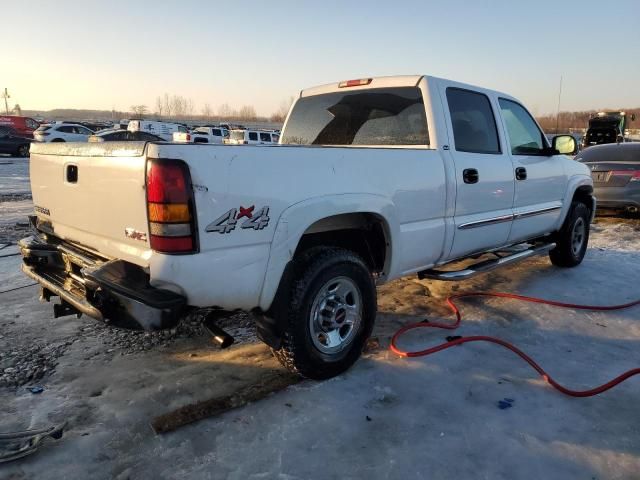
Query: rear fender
x,y
296,219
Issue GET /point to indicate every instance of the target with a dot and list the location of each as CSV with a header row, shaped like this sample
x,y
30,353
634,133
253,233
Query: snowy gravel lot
x,y
434,417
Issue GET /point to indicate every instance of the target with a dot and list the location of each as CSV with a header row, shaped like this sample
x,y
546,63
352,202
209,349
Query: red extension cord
x,y
517,351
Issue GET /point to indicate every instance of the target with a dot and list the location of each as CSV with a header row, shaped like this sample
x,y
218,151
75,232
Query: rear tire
x,y
57,140
23,151
572,239
328,315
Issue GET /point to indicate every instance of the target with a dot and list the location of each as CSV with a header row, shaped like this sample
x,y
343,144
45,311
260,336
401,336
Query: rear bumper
x,y
114,291
619,197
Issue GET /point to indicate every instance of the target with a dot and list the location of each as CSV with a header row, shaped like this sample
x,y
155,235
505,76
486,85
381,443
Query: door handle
x,y
521,173
470,175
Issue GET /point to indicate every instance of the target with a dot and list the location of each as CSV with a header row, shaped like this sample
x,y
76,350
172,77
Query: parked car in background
x,y
23,126
13,143
162,129
62,132
252,137
119,135
205,134
615,170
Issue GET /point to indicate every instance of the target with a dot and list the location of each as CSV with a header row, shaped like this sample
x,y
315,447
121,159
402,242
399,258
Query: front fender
x,y
573,184
296,219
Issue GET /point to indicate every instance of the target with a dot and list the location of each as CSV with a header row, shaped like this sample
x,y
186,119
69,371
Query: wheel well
x,y
363,233
584,194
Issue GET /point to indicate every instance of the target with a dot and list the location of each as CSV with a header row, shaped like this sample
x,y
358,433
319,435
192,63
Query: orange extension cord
x,y
482,338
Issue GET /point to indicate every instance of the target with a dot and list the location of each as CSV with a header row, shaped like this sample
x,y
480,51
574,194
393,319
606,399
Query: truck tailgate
x,y
93,194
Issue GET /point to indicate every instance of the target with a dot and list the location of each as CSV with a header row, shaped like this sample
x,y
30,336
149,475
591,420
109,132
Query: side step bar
x,y
486,265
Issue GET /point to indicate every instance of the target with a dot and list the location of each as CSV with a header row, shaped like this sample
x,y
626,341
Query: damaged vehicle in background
x,y
374,179
606,127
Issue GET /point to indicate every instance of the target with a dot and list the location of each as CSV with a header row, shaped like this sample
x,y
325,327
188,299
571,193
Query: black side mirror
x,y
565,144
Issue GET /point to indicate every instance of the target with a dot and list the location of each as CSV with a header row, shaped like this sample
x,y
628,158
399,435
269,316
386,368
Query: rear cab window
x,y
372,117
473,122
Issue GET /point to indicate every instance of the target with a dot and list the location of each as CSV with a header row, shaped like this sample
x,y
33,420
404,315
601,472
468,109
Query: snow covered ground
x,y
433,417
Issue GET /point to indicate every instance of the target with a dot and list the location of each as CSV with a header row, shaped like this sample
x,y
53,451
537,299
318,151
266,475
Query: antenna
x,y
558,111
6,97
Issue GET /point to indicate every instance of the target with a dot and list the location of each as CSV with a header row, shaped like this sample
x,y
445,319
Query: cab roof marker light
x,y
355,83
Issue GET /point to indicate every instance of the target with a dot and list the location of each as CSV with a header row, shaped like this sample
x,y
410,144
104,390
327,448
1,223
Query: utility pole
x,y
558,111
6,97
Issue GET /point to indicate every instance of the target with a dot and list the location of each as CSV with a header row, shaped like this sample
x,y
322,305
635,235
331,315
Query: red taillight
x,y
166,183
355,83
170,207
634,174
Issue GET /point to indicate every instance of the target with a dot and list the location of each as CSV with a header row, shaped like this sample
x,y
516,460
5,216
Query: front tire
x,y
572,239
329,313
23,151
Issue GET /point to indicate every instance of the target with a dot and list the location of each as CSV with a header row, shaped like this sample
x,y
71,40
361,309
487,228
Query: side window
x,y
525,137
253,136
265,137
183,129
474,126
83,131
275,137
31,123
216,132
65,129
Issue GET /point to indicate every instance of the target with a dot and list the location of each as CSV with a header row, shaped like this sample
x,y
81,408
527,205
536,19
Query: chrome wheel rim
x,y
335,316
578,236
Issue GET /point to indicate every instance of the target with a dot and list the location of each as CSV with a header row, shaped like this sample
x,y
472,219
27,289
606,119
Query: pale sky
x,y
116,53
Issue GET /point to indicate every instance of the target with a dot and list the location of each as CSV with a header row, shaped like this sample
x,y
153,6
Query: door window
x,y
253,136
265,137
525,137
474,126
216,132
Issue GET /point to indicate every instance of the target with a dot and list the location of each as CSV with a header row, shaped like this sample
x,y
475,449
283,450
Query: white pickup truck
x,y
374,179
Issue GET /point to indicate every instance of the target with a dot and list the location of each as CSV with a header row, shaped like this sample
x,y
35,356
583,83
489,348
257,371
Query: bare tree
x,y
207,111
224,111
190,107
139,110
159,106
283,110
247,112
166,101
179,106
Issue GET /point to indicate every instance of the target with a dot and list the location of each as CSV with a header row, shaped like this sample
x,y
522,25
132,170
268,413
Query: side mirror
x,y
565,144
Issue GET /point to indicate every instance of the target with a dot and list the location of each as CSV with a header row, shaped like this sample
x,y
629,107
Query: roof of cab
x,y
398,81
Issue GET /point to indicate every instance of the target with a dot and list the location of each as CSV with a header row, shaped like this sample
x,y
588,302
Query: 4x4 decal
x,y
228,221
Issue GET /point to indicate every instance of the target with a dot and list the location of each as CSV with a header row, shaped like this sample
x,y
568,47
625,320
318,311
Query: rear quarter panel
x,y
299,185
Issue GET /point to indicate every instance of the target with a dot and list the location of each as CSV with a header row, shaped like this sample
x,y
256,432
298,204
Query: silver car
x,y
615,169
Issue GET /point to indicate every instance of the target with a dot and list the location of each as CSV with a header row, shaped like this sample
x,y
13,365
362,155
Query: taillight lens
x,y
634,174
170,207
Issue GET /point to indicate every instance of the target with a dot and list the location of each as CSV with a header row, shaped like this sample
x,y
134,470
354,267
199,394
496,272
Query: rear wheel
x,y
329,314
23,150
57,140
572,239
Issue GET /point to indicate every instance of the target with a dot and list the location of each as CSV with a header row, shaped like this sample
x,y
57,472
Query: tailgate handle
x,y
72,174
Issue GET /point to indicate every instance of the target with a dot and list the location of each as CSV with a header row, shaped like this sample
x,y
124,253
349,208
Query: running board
x,y
485,265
